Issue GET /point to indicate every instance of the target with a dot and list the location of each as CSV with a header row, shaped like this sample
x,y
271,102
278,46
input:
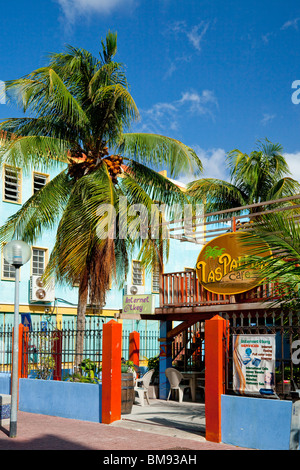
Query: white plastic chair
x,y
142,390
175,377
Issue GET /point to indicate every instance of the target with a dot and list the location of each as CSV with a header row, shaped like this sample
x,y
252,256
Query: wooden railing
x,y
188,347
183,289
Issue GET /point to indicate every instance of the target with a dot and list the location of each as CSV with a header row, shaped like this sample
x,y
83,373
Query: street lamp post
x,y
15,253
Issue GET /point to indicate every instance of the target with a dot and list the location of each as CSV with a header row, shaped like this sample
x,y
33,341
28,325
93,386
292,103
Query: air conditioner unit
x,y
133,290
39,292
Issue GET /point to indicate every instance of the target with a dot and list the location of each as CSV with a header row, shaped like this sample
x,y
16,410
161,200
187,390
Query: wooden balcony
x,y
181,293
184,299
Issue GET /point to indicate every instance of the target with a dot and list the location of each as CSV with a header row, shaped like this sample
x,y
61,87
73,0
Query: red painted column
x,y
57,353
23,351
134,348
111,372
215,330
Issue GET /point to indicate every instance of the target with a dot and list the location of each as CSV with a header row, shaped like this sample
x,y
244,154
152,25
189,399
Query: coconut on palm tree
x,y
262,175
80,111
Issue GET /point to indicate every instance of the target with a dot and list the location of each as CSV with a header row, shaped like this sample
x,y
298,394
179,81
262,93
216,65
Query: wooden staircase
x,y
188,348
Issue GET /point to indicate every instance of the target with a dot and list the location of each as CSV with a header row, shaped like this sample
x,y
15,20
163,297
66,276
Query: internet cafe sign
x,y
141,304
219,265
254,364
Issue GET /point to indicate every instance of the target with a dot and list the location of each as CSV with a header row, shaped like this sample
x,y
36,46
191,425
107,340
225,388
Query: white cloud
x,y
288,24
74,8
267,118
266,37
213,161
162,117
174,64
191,35
195,35
293,160
199,103
291,24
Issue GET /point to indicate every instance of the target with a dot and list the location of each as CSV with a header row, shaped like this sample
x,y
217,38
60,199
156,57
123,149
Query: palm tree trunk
x,y
81,311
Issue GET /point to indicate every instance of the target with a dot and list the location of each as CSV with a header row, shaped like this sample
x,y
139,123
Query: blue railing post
x,y
165,359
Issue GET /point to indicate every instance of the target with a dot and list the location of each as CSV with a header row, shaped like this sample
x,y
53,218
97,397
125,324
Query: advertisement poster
x,y
254,364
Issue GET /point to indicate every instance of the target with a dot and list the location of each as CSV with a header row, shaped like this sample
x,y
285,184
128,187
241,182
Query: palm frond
x,y
216,194
42,211
109,47
44,93
33,151
108,74
77,230
265,164
154,253
160,152
157,187
281,233
284,187
117,110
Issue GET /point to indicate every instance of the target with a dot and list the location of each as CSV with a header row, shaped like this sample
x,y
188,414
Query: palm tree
x,y
262,175
80,111
281,232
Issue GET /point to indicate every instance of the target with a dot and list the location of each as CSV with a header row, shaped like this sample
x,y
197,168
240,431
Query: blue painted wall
x,y
64,399
256,423
5,383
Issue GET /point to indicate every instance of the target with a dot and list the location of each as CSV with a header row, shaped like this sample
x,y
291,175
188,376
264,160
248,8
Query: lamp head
x,y
17,253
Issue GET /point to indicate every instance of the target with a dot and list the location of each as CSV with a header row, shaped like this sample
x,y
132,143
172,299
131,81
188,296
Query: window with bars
x,y
38,261
39,181
12,184
137,273
155,279
8,271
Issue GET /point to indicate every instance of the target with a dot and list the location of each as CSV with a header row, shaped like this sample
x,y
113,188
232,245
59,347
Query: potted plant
x,y
127,367
127,393
153,363
89,373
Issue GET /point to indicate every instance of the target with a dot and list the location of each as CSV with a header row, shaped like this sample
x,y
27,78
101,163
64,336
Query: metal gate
x,y
286,328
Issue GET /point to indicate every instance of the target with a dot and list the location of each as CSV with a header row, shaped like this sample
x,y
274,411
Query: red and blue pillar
x,y
216,330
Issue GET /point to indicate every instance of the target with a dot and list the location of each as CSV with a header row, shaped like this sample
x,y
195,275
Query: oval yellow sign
x,y
219,265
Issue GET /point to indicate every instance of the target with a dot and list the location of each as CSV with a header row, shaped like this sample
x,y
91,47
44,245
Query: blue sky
x,y
216,75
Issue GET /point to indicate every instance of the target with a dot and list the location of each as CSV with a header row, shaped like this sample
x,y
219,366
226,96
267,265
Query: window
x,y
155,279
8,271
39,181
38,261
137,273
12,184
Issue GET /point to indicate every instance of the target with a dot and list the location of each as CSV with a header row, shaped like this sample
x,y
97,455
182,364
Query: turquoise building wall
x,y
181,255
45,241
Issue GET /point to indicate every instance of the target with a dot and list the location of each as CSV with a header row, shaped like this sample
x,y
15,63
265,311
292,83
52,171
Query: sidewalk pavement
x,y
136,432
